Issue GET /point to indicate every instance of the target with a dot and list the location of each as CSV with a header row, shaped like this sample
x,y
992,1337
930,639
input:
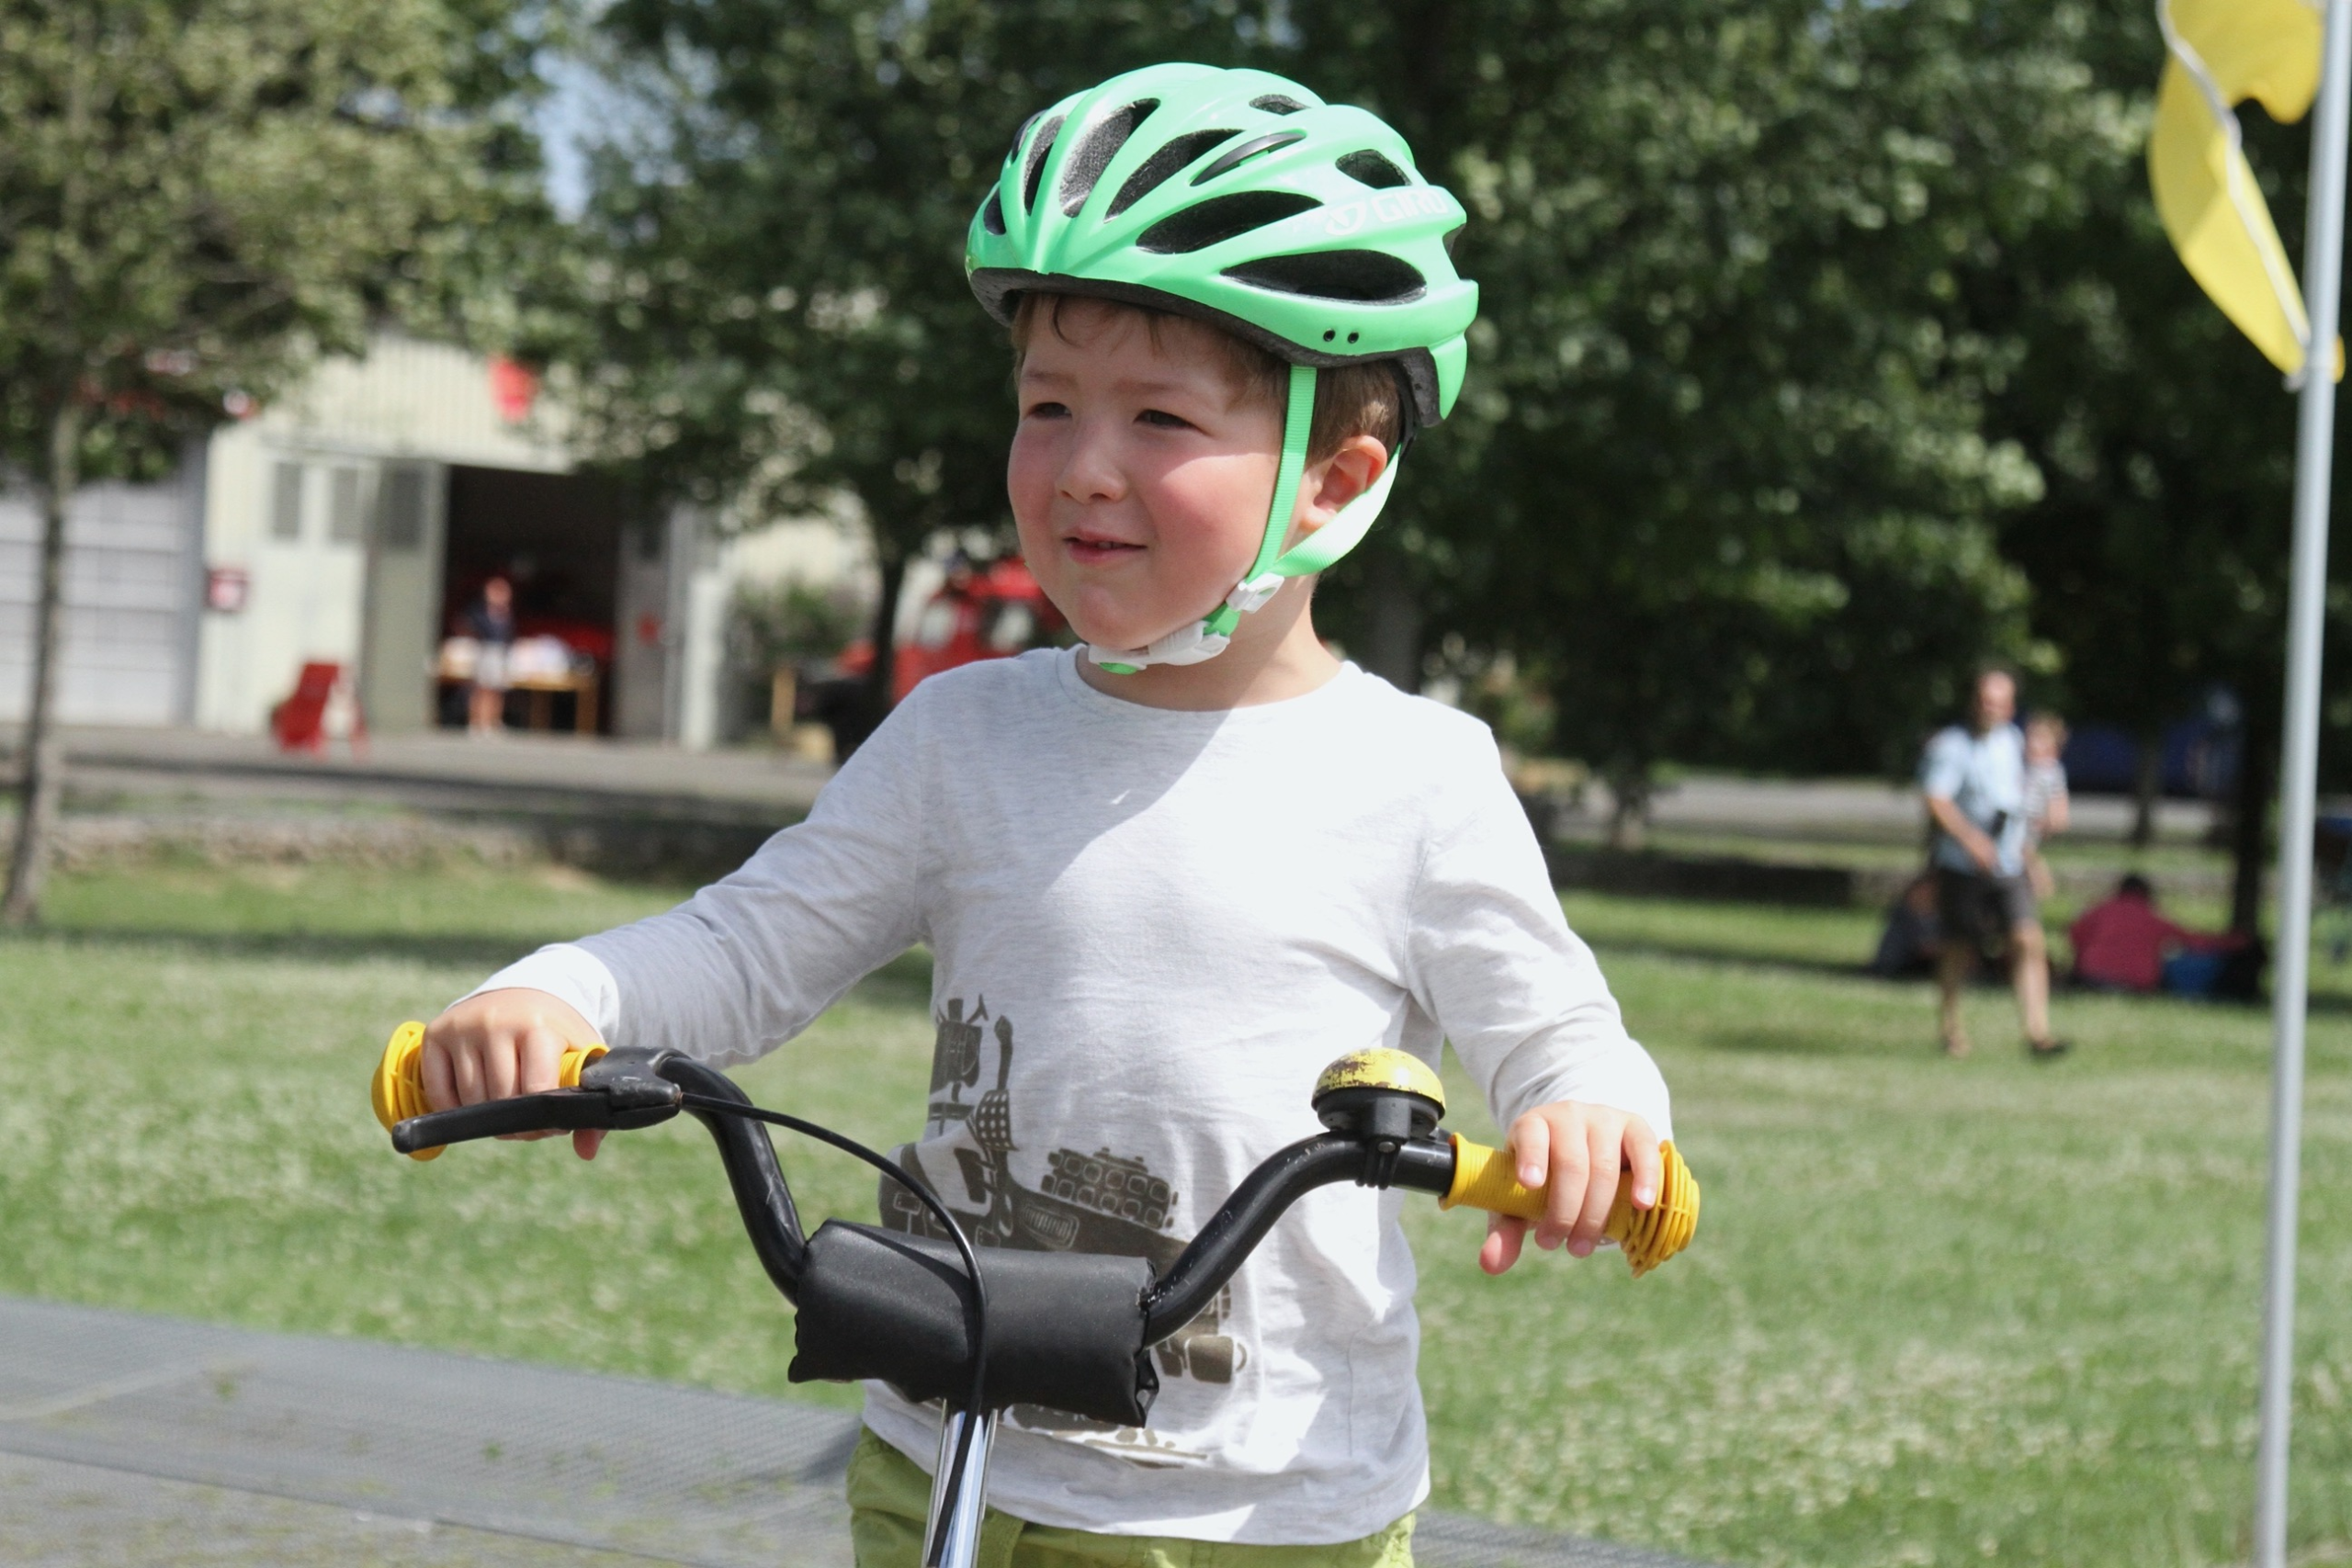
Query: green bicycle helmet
x,y
1242,200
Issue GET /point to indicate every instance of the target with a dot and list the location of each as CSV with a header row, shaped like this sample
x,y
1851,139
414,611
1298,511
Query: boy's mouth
x,y
1089,548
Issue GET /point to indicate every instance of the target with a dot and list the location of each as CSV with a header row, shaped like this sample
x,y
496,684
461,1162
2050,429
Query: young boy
x,y
1167,876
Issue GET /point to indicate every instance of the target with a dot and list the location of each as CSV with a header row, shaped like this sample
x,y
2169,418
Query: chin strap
x,y
1204,639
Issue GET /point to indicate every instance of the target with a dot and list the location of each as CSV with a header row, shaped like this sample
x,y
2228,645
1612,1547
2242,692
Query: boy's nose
x,y
1089,471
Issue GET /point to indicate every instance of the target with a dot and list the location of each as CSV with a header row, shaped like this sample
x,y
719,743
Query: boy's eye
x,y
1045,411
1162,419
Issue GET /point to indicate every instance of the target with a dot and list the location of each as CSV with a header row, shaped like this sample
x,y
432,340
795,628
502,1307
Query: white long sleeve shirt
x,y
1151,930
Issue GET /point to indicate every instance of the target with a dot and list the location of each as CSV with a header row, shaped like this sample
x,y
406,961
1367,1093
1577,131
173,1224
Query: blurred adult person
x,y
2047,808
1973,781
491,623
2123,944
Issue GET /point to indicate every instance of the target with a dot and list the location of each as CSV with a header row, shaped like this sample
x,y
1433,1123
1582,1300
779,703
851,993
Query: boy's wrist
x,y
569,974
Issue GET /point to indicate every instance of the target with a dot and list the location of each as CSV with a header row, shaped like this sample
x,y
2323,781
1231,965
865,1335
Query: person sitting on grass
x,y
2122,943
1186,864
1908,944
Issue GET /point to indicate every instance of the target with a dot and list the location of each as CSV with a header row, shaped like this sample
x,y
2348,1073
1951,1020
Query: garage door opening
x,y
557,538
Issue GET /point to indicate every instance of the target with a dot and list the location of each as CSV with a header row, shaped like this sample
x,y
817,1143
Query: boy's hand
x,y
1579,1150
500,1045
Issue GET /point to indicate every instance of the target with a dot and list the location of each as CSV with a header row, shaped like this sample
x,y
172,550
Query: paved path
x,y
527,773
1861,809
130,1441
561,774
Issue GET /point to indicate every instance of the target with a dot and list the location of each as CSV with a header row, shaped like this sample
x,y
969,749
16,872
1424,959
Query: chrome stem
x,y
951,1540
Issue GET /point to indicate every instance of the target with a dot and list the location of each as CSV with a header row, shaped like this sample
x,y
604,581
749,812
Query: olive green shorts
x,y
889,1496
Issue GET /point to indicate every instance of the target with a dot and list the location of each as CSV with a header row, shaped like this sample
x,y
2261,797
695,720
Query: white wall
x,y
132,587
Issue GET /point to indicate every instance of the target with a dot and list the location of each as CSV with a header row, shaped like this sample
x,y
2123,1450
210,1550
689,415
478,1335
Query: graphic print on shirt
x,y
1103,1202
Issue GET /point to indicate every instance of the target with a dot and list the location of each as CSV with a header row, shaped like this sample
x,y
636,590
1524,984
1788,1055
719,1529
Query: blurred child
x,y
2045,795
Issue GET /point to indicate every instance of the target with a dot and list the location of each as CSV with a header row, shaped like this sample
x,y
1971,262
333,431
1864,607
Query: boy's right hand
x,y
500,1045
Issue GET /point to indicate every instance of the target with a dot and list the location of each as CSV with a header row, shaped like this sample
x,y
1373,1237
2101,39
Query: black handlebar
x,y
621,1104
1234,1231
1073,1331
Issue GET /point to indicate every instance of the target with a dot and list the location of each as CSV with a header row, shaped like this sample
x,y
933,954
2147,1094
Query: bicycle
x,y
982,1331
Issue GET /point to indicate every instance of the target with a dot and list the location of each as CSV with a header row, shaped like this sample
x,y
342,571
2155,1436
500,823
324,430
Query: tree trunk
x,y
2147,787
1393,620
2250,829
41,757
882,674
1629,814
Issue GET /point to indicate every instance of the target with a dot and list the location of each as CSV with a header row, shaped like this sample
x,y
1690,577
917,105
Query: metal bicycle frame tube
x,y
954,1540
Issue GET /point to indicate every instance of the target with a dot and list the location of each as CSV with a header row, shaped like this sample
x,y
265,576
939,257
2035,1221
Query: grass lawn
x,y
1938,1313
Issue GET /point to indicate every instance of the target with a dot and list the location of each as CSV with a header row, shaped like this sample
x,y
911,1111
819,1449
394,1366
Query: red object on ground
x,y
981,613
300,722
2122,942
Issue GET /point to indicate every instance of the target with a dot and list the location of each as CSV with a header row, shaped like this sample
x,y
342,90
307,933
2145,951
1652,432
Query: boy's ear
x,y
1337,480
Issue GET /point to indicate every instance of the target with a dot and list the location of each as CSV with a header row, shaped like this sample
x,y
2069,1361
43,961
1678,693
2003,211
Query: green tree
x,y
196,200
1720,472
2158,555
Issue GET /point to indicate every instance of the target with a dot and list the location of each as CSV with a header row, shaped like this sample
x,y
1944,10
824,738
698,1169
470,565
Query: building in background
x,y
352,522
134,579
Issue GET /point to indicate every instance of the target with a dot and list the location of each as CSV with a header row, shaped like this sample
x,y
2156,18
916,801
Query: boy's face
x,y
1140,474
2042,743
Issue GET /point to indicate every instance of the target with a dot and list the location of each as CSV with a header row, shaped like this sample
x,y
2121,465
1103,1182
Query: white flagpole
x,y
2298,766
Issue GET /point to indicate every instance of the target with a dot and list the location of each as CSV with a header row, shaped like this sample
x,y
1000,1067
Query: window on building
x,y
286,502
342,506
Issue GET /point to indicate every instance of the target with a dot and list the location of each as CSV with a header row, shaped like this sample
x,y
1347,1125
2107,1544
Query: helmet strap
x,y
1204,639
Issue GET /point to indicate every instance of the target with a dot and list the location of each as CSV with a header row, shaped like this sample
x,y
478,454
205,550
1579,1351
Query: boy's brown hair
x,y
1351,400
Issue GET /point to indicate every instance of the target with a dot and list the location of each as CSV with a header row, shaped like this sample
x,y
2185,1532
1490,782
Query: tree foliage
x,y
2158,555
195,199
1722,472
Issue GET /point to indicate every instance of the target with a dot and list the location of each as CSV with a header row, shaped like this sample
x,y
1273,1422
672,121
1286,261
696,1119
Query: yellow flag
x,y
2224,53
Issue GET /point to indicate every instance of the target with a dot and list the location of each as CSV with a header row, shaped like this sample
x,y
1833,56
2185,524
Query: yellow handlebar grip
x,y
1483,1180
397,1090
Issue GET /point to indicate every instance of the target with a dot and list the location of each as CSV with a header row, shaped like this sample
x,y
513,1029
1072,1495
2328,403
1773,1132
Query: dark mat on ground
x,y
129,1440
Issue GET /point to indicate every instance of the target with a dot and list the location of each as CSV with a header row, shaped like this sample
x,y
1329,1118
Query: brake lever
x,y
615,1104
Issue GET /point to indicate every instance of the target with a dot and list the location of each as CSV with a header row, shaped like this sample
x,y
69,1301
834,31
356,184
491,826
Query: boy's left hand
x,y
1579,1151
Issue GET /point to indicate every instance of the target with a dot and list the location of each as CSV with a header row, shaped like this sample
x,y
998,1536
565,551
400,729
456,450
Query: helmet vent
x,y
1275,103
993,214
1094,155
1369,168
1233,157
1365,277
1020,136
1038,151
1221,218
1177,153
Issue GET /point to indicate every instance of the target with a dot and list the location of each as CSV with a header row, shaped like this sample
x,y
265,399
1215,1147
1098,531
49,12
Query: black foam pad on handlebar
x,y
1064,1329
